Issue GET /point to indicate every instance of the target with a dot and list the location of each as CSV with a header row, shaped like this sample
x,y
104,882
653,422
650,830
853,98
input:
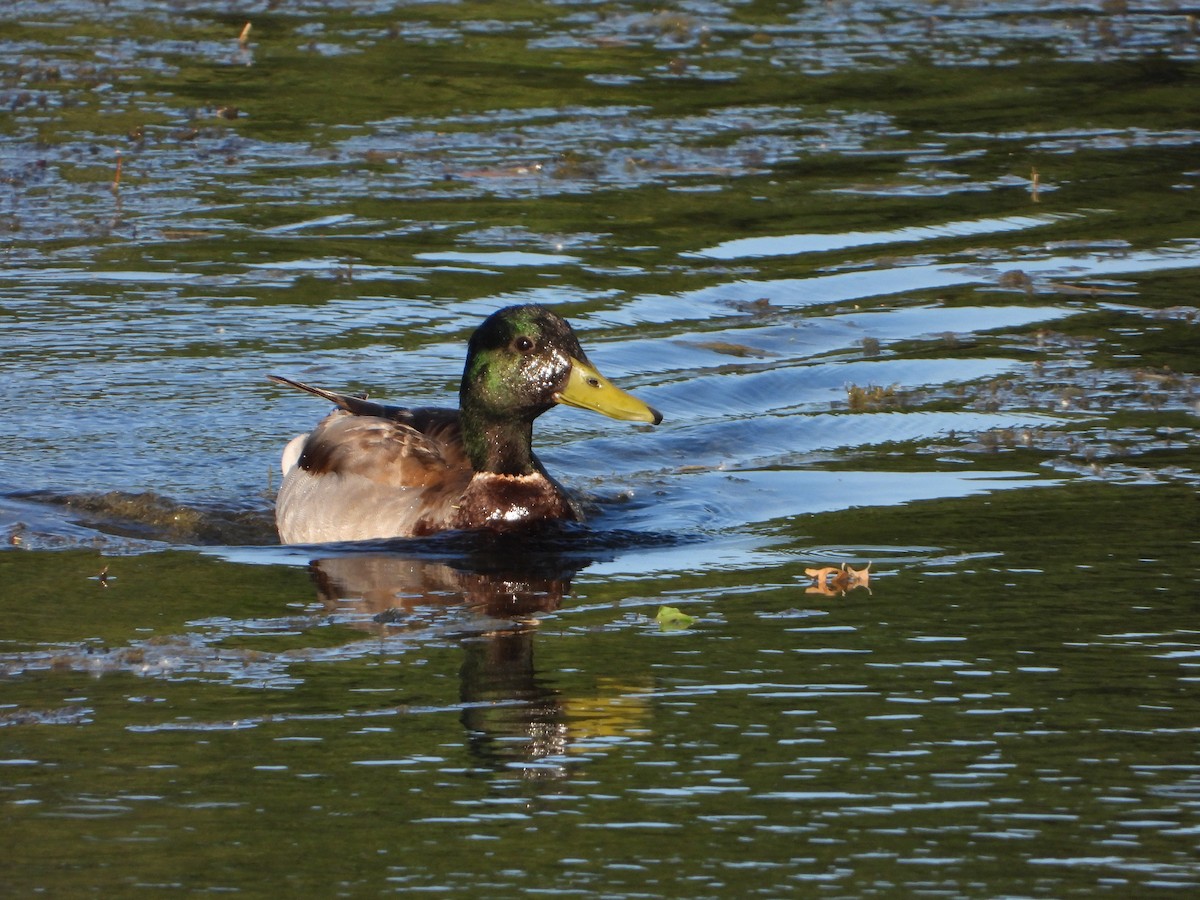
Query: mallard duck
x,y
374,471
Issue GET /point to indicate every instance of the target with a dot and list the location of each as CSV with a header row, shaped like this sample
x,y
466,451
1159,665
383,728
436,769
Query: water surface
x,y
914,286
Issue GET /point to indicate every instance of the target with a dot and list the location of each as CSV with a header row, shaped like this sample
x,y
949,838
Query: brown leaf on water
x,y
836,581
819,575
861,577
840,581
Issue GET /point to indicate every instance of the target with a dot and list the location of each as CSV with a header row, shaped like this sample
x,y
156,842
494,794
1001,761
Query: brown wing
x,y
386,451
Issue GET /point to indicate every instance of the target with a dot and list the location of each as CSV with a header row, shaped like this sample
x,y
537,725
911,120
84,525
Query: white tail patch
x,y
291,453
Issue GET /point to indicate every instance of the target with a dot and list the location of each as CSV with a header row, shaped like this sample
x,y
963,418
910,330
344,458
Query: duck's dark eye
x,y
523,344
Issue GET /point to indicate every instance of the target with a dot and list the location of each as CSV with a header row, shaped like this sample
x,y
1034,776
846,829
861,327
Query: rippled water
x,y
914,285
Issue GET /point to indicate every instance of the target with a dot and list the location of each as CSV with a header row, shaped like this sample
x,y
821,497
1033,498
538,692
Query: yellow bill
x,y
588,389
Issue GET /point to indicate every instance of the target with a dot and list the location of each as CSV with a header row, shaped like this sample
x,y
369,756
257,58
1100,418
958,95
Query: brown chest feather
x,y
504,502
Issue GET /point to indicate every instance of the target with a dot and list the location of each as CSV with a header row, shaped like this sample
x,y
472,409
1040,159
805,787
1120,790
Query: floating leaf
x,y
860,577
834,581
671,619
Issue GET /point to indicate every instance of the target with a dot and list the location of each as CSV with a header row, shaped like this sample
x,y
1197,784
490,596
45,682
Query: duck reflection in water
x,y
488,602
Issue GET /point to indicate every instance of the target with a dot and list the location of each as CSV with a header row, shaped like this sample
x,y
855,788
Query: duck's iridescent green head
x,y
524,359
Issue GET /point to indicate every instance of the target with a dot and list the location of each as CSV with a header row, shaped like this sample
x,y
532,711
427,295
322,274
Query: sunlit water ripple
x,y
915,289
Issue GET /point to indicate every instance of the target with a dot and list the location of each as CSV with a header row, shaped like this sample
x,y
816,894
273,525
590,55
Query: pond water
x,y
914,285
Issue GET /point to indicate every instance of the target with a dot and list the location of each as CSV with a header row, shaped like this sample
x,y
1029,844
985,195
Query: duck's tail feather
x,y
360,406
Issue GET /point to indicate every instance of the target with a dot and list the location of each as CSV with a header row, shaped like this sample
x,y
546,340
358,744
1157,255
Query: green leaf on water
x,y
671,619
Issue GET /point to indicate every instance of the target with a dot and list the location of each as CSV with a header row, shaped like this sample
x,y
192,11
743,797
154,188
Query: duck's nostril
x,y
594,382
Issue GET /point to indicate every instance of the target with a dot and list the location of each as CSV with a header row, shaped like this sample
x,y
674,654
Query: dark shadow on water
x,y
513,719
549,544
485,592
484,582
481,592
